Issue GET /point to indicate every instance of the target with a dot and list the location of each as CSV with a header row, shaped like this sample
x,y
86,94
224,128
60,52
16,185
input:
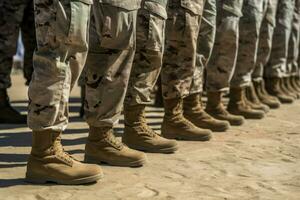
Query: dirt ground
x,y
259,160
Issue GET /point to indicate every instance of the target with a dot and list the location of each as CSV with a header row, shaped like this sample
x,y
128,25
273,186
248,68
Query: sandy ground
x,y
260,160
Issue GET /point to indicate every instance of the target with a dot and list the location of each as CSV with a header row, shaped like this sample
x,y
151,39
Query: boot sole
x,y
232,123
247,116
221,129
138,163
164,150
204,138
86,180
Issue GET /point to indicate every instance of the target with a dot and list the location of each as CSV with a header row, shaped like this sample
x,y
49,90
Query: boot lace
x,y
144,129
60,153
112,140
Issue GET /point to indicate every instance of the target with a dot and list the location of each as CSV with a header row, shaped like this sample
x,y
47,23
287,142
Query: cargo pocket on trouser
x,y
60,34
77,38
115,26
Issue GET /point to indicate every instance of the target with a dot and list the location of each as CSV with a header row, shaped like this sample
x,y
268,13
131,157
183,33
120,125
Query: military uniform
x,y
249,30
58,59
182,30
206,40
223,60
110,60
265,38
149,54
282,33
293,53
15,15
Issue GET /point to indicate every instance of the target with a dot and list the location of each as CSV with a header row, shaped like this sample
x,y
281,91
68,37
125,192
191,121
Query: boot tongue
x,y
60,152
112,140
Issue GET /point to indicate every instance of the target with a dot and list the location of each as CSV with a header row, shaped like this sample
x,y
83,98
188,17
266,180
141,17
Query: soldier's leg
x,y
294,48
146,68
11,15
177,73
248,42
107,74
263,53
29,40
223,59
192,104
276,70
60,54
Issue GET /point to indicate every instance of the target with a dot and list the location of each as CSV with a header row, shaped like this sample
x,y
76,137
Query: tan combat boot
x,y
273,87
294,84
289,86
138,135
8,115
48,162
216,109
253,101
176,126
285,89
103,147
297,81
263,96
237,105
194,112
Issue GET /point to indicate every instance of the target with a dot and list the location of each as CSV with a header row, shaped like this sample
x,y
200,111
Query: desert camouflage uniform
x,y
249,30
15,15
109,63
62,44
282,33
149,52
223,60
265,38
182,29
206,42
293,54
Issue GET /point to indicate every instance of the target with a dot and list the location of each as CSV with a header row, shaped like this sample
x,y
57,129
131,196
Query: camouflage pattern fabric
x,y
293,53
15,15
277,65
182,29
249,30
110,58
149,52
265,38
205,43
223,60
62,44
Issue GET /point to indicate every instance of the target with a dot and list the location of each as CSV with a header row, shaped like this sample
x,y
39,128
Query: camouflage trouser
x,y
265,38
182,29
293,51
109,62
149,53
62,43
206,41
223,59
15,15
249,29
282,32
